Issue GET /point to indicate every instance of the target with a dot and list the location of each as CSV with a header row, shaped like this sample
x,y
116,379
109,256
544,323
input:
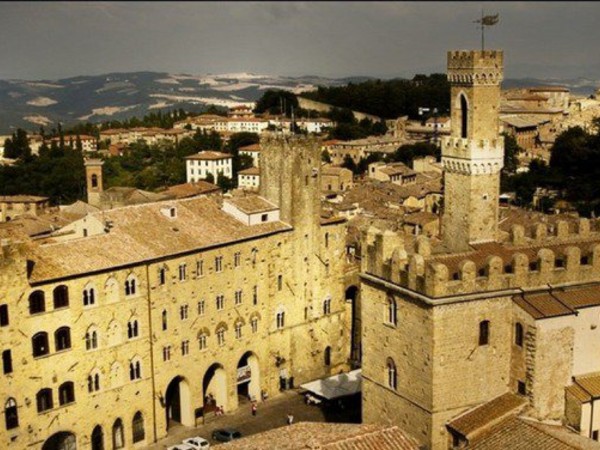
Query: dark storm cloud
x,y
59,39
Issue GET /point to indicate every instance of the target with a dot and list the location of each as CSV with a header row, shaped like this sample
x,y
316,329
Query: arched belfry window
x,y
464,116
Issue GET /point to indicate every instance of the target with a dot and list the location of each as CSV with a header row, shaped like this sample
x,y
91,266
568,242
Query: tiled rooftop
x,y
251,204
483,416
141,233
327,436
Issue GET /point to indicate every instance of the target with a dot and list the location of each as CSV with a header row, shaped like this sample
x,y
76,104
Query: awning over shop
x,y
335,386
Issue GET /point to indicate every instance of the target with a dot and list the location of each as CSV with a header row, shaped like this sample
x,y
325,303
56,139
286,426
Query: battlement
x,y
475,67
548,256
472,148
475,59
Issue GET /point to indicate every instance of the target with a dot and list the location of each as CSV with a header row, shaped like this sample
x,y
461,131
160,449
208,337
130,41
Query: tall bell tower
x,y
473,154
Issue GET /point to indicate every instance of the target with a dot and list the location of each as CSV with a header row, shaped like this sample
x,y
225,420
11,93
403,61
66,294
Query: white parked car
x,y
197,443
181,447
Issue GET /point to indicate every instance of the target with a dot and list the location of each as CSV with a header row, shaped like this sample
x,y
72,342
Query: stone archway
x,y
214,388
248,377
62,440
178,403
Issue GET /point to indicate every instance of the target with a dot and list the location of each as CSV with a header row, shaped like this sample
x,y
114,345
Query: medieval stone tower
x,y
93,177
473,154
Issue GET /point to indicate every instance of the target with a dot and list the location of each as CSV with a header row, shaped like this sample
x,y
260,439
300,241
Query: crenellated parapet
x,y
475,67
473,156
565,256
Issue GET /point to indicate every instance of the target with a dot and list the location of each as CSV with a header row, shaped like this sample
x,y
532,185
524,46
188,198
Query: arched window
x,y
327,306
61,296
519,334
135,369
327,355
94,381
280,319
392,311
89,296
238,330
11,415
162,275
44,400
37,303
118,434
94,180
62,339
202,342
254,324
97,438
130,285
464,116
66,393
137,426
91,339
484,332
221,336
392,378
132,329
39,342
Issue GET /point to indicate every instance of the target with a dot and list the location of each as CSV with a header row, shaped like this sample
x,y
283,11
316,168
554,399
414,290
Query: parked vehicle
x,y
197,443
226,435
181,447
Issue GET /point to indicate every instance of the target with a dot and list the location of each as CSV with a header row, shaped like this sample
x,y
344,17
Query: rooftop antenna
x,y
486,21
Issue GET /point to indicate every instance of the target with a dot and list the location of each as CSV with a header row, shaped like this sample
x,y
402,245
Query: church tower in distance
x,y
473,154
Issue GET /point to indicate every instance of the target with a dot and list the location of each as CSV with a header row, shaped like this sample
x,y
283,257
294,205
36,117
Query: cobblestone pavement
x,y
270,414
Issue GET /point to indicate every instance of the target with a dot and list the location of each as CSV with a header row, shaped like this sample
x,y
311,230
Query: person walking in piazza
x,y
290,419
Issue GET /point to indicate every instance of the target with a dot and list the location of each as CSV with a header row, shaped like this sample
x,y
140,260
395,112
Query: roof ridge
x,y
529,422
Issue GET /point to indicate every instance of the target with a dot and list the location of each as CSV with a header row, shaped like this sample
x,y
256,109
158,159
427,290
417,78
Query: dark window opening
x,y
62,339
61,296
519,334
559,263
463,117
11,414
3,315
584,261
37,303
44,400
39,343
7,361
484,332
66,393
508,268
521,389
533,266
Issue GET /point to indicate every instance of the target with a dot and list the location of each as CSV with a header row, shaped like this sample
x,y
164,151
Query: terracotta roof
x,y
22,199
327,436
251,204
141,233
486,415
191,189
250,148
519,434
558,302
590,384
210,155
397,169
523,121
250,171
333,170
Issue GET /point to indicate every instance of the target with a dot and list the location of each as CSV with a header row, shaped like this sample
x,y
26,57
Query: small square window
x,y
264,217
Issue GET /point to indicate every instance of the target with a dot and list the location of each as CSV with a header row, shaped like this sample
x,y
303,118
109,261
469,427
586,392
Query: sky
x,y
51,40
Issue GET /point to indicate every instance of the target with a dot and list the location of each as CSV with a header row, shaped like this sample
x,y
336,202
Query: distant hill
x,y
28,104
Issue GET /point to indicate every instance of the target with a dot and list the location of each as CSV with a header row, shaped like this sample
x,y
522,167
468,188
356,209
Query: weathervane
x,y
486,21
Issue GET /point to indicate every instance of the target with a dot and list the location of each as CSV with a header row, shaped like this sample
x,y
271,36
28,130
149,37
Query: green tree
x,y
325,157
225,183
511,153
